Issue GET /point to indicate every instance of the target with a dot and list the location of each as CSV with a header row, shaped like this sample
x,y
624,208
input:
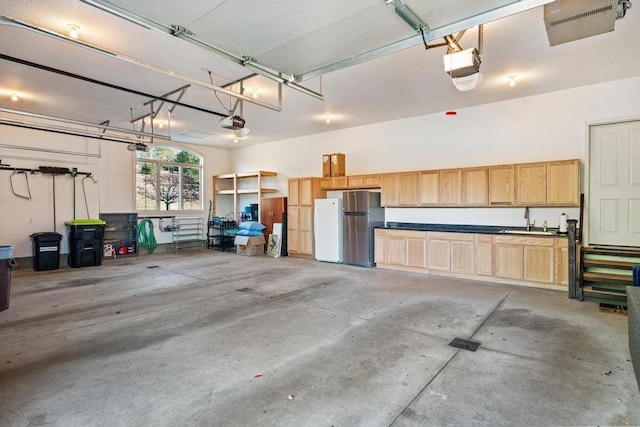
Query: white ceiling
x,y
293,37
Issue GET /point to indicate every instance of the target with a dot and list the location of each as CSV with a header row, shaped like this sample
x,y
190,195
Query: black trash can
x,y
6,264
85,242
46,251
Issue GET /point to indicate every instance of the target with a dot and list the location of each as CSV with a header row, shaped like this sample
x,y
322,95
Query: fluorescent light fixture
x,y
463,63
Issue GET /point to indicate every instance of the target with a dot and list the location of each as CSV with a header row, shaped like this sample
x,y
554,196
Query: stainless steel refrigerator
x,y
362,212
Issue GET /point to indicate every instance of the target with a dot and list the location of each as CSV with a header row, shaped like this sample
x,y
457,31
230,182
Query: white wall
x,y
545,127
114,192
551,126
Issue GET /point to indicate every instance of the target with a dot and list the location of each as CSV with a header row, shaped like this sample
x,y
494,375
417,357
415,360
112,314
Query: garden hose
x,y
146,238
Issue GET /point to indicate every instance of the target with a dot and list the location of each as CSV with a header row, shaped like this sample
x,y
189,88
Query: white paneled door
x,y
614,184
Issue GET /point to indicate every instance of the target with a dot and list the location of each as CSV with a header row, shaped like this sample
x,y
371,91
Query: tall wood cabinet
x,y
302,193
274,210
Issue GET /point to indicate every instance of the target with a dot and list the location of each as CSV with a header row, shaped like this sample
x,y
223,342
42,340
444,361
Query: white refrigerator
x,y
327,225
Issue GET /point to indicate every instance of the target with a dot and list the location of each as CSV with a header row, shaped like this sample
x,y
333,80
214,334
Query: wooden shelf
x,y
236,184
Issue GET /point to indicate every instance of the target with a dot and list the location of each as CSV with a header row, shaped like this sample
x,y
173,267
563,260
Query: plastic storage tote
x,y
46,251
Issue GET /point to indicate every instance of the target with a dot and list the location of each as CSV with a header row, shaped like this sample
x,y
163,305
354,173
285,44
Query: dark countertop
x,y
467,228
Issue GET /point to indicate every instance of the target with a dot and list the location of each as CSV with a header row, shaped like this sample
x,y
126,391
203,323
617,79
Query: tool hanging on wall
x,y
53,171
84,192
13,189
74,173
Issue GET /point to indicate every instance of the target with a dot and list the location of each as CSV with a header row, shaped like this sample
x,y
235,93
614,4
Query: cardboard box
x,y
326,165
337,164
249,245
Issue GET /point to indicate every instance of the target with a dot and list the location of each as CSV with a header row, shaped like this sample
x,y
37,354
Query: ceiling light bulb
x,y
14,97
235,139
512,81
254,95
73,31
327,119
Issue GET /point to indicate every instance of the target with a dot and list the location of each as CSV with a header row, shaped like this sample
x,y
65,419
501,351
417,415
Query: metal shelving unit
x,y
120,235
187,233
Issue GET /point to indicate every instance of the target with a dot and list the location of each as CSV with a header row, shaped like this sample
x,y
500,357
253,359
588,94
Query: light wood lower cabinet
x,y
306,231
300,230
451,252
439,254
561,267
484,254
405,248
537,261
293,229
380,242
508,260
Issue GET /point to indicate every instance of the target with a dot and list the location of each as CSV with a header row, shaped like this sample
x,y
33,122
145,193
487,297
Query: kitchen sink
x,y
533,232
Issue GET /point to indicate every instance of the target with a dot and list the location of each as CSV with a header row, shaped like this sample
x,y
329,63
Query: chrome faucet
x,y
526,216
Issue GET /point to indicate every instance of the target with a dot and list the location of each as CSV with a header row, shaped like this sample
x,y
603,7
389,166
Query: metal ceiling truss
x,y
95,131
4,20
184,34
163,100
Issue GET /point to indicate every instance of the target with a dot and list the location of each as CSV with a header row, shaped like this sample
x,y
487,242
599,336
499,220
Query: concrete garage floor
x,y
215,338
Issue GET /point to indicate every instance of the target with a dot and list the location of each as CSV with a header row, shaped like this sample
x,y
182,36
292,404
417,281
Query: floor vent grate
x,y
244,290
465,344
154,266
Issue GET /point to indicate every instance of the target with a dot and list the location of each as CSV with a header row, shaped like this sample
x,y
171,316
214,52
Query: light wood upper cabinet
x,y
548,184
306,191
326,183
450,187
303,191
294,192
334,183
429,188
563,183
371,181
355,181
408,187
502,185
475,182
389,189
531,181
